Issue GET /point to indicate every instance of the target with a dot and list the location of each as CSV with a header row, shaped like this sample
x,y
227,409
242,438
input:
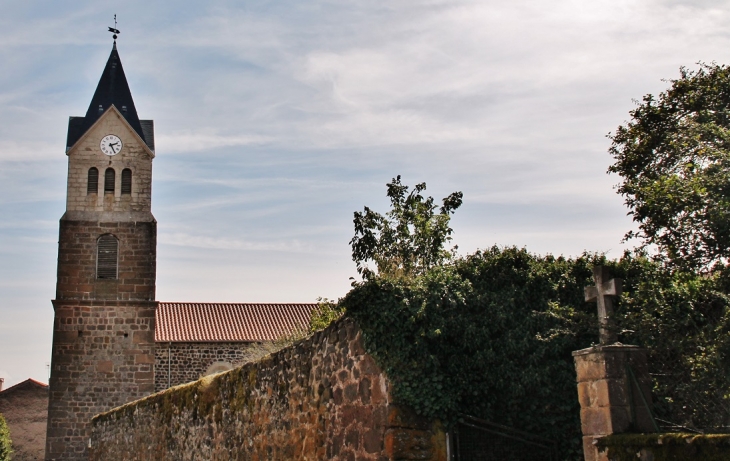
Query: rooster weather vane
x,y
114,29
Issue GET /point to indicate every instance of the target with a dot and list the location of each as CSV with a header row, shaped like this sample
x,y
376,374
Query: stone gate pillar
x,y
614,389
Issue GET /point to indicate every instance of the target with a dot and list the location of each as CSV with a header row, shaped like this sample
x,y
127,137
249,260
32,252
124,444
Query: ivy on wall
x,y
491,334
6,446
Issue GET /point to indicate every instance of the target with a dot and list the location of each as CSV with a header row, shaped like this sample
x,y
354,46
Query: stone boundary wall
x,y
179,363
322,398
665,447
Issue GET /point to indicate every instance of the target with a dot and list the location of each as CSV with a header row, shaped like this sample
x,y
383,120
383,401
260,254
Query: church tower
x,y
103,331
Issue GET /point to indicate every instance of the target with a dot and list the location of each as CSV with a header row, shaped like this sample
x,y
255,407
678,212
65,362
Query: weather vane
x,y
114,29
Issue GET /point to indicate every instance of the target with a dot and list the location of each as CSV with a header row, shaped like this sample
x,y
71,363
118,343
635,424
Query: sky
x,y
275,121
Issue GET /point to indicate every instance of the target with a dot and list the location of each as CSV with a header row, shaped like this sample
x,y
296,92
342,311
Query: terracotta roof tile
x,y
27,384
219,322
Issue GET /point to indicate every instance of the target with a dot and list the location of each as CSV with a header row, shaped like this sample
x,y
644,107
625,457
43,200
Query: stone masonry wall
x,y
134,155
103,357
25,408
178,363
103,331
77,261
322,398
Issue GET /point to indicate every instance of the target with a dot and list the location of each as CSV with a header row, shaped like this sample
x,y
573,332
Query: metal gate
x,y
477,440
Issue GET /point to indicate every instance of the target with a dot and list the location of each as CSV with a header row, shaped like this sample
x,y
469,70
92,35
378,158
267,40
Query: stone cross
x,y
603,293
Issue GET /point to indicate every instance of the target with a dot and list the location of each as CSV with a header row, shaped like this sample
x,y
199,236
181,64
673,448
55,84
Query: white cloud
x,y
28,150
201,141
197,241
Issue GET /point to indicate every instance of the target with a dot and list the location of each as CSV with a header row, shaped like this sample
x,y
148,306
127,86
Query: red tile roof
x,y
213,322
27,384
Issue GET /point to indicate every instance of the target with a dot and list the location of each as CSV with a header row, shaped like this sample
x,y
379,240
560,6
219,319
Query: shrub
x,y
6,446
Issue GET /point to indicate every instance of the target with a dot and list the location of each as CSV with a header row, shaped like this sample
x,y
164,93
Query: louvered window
x,y
107,251
126,181
92,185
109,177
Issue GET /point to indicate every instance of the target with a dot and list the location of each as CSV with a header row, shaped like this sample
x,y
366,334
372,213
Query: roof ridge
x,y
27,381
193,303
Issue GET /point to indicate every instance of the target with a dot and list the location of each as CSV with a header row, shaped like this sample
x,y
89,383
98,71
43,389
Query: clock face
x,y
110,144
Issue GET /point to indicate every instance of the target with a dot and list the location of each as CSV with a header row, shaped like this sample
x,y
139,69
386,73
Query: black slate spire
x,y
111,90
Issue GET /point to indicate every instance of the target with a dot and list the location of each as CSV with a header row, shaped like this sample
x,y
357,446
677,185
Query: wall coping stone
x,y
665,447
100,302
616,347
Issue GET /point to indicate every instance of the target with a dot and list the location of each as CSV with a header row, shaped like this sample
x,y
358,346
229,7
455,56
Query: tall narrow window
x,y
107,251
92,185
126,181
109,176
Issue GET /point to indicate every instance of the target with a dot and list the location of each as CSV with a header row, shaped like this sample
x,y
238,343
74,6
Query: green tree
x,y
327,312
6,446
410,238
674,160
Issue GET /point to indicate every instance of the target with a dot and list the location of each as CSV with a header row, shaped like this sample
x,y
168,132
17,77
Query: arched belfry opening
x,y
109,180
107,257
92,181
126,181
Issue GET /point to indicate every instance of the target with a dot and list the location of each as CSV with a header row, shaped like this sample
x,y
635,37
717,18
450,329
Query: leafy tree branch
x,y
674,160
410,238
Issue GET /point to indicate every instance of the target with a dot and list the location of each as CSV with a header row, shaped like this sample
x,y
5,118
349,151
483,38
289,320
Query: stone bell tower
x,y
103,331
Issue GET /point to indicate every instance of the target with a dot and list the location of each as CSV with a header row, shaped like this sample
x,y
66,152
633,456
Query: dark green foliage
x,y
327,312
491,335
684,320
6,446
409,239
674,161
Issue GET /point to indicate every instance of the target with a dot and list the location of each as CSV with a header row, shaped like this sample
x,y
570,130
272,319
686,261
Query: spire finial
x,y
114,30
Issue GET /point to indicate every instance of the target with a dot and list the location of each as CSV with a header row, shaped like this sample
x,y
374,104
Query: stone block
x,y
378,389
350,392
590,450
143,336
143,376
105,366
364,390
595,421
585,398
408,444
602,393
605,420
601,362
590,367
144,358
65,336
352,438
373,441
